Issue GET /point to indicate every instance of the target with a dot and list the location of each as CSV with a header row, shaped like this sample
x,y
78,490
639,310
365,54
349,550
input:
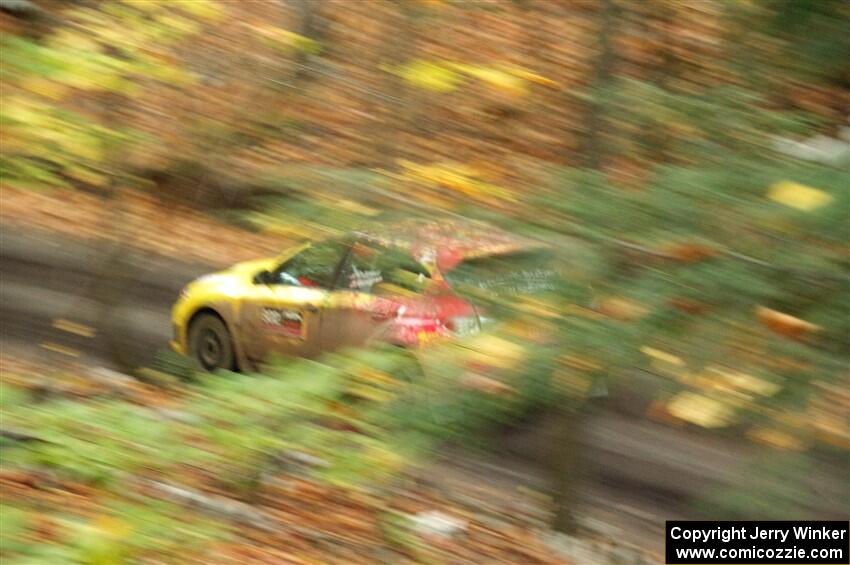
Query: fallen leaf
x,y
701,410
798,196
744,381
662,356
784,324
658,412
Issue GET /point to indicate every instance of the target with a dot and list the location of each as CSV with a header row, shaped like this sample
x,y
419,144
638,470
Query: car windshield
x,y
315,266
377,269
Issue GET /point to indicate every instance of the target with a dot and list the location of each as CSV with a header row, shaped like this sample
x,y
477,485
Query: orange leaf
x,y
784,324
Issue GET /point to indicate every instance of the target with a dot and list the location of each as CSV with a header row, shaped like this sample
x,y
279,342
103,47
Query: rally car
x,y
391,285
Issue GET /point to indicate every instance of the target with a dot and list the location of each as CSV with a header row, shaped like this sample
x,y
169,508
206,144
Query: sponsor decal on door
x,y
289,323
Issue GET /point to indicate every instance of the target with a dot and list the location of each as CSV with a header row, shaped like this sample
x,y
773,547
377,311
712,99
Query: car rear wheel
x,y
210,344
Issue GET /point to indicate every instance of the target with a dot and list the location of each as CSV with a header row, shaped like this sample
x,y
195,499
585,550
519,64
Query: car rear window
x,y
527,272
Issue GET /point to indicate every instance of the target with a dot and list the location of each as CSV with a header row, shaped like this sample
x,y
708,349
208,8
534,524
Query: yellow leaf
x,y
503,80
204,9
56,348
430,76
113,526
662,356
745,382
45,87
26,111
74,327
533,77
74,40
368,392
700,410
87,176
799,196
369,375
455,176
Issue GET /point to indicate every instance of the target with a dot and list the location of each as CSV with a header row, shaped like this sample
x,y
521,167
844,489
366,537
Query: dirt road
x,y
45,280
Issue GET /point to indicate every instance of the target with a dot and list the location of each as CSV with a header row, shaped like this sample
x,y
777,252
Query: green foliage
x,y
108,52
715,124
99,442
764,492
814,42
180,366
146,525
12,397
13,523
712,226
126,531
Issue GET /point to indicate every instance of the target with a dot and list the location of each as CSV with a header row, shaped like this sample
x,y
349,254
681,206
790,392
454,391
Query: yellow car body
x,y
223,293
327,295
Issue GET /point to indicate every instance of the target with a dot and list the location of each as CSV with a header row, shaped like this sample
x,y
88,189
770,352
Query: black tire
x,y
210,344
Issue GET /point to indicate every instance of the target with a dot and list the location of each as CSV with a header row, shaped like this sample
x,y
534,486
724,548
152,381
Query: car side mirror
x,y
263,277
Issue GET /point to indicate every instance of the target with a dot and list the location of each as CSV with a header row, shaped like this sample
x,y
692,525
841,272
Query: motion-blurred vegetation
x,y
686,162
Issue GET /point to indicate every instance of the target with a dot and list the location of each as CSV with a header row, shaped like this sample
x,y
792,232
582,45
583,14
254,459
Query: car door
x,y
284,313
373,283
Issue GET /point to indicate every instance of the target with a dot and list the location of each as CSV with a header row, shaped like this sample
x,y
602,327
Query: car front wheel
x,y
210,344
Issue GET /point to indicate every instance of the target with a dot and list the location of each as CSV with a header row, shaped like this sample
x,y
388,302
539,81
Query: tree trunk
x,y
395,105
594,146
565,463
565,469
309,26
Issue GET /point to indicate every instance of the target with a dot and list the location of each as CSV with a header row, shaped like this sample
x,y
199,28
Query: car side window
x,y
376,269
316,266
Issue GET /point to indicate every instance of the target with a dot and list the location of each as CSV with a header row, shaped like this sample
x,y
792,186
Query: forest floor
x,y
459,508
147,223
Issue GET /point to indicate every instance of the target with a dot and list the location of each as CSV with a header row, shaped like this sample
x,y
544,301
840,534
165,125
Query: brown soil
x,y
147,224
